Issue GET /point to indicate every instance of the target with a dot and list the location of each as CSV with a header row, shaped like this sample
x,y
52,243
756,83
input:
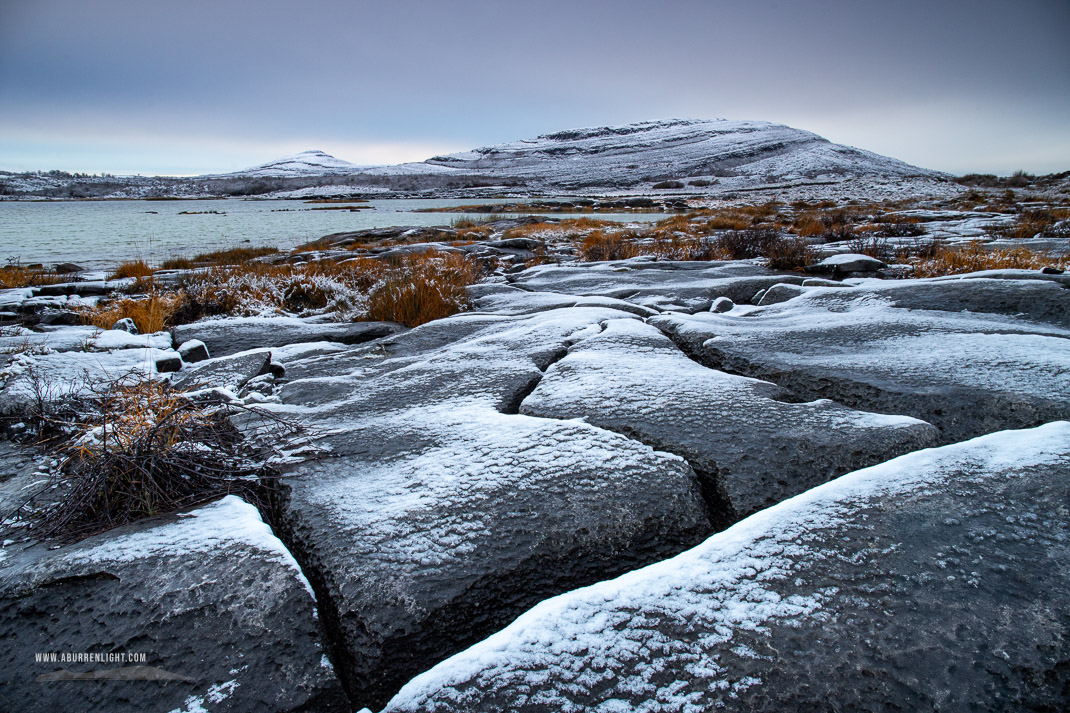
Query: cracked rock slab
x,y
224,337
738,432
939,580
454,519
966,372
216,603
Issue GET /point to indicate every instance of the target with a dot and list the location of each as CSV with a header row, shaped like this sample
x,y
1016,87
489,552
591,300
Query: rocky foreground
x,y
634,485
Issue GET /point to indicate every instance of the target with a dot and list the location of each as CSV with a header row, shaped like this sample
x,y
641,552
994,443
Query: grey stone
x,y
750,447
169,364
126,325
65,268
967,373
847,262
60,318
212,599
228,336
779,293
722,304
193,351
936,581
435,513
228,372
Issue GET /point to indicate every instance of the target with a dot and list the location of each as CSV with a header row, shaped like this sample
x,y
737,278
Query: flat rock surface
x,y
689,286
434,514
224,337
936,581
215,602
966,372
739,433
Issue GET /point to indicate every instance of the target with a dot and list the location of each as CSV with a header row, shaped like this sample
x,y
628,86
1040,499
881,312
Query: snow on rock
x,y
212,597
752,447
306,163
440,524
434,513
937,580
122,339
224,337
660,285
912,348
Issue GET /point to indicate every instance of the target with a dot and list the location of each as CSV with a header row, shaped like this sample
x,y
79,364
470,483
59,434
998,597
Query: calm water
x,y
98,234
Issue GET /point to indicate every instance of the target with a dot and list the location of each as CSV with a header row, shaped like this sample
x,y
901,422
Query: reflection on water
x,y
97,234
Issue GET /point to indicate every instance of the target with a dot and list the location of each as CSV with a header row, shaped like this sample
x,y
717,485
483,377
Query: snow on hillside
x,y
676,149
306,163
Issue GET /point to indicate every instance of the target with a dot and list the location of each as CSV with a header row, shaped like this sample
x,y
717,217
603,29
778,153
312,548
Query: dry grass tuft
x,y
944,260
146,449
599,246
133,268
13,276
151,313
423,289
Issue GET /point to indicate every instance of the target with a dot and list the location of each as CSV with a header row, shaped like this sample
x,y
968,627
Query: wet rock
x,y
193,351
230,372
126,325
228,336
752,448
212,599
936,581
66,268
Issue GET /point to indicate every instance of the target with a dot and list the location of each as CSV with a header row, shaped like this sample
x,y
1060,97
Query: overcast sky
x,y
198,86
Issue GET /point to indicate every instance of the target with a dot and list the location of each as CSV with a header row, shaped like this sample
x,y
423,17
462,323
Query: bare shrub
x,y
746,244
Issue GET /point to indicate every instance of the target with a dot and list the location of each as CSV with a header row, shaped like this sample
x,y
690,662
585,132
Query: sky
x,y
199,86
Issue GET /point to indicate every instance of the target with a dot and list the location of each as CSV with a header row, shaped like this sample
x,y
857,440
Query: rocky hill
x,y
698,156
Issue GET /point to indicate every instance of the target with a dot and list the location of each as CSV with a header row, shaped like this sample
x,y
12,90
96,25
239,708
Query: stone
x,y
722,304
428,512
64,318
211,598
228,372
126,325
193,351
847,262
750,447
224,337
66,268
966,372
779,293
169,364
936,581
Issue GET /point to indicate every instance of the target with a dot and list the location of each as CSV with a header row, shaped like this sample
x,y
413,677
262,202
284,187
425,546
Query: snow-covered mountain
x,y
632,154
306,163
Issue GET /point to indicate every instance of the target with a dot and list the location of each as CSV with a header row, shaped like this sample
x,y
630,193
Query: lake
x,y
100,234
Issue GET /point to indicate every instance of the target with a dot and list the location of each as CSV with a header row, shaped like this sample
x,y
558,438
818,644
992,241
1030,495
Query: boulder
x,y
193,351
847,262
169,364
224,337
749,445
211,599
64,318
126,325
226,372
779,292
722,304
936,581
66,268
